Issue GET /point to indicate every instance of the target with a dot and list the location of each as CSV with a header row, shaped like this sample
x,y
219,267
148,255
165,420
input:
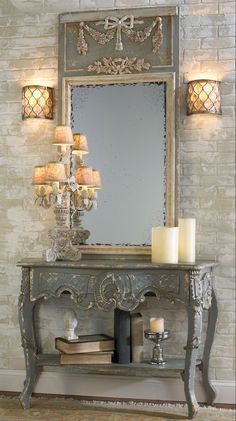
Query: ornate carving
x,y
118,66
207,290
125,23
200,290
140,36
193,343
114,25
62,247
101,38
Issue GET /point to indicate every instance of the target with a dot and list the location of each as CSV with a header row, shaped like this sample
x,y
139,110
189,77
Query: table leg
x,y
212,319
26,320
194,335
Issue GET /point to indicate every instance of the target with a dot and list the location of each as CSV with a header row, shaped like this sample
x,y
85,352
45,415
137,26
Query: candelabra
x,y
157,352
70,187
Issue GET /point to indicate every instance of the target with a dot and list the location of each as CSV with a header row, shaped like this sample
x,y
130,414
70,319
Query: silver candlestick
x,y
157,338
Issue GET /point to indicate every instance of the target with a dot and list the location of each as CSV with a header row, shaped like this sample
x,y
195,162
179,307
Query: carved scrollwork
x,y
193,343
24,290
118,66
200,290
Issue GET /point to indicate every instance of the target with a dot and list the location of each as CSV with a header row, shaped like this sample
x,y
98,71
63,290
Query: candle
x,y
165,244
157,325
187,230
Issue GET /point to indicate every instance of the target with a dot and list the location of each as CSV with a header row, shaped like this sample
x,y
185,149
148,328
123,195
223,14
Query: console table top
x,y
115,263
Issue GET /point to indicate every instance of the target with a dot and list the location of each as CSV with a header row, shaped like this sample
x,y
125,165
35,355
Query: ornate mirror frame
x,y
76,67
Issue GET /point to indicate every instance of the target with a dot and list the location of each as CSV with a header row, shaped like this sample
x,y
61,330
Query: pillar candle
x,y
157,325
165,244
187,230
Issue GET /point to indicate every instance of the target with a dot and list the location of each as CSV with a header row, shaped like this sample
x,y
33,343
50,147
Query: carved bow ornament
x,y
116,26
126,22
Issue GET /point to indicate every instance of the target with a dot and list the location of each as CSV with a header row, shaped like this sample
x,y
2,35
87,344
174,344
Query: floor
x,y
60,409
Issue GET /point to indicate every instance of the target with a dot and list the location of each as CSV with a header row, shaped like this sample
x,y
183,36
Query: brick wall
x,y
28,53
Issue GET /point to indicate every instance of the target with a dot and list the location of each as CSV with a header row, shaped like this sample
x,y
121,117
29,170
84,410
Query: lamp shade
x,y
80,145
56,171
37,102
97,182
63,136
203,97
84,176
39,175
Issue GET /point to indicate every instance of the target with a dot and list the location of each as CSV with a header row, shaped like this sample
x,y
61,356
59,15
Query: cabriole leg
x,y
26,320
194,335
211,326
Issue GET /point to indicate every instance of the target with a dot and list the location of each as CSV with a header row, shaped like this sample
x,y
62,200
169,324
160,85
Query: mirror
x,y
125,125
129,124
129,127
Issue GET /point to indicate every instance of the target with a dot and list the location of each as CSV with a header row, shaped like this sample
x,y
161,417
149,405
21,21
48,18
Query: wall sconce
x,y
37,102
203,97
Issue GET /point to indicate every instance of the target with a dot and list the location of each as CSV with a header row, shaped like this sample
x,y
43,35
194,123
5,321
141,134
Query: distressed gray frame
x,y
168,74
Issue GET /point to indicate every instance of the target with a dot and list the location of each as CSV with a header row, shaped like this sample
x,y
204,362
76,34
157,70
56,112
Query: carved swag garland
x,y
115,26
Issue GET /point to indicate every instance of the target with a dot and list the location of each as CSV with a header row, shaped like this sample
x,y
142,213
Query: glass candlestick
x,y
157,352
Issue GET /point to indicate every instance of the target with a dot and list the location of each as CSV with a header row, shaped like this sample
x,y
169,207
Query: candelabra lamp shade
x,y
97,182
56,172
80,145
203,97
84,177
37,102
39,175
63,136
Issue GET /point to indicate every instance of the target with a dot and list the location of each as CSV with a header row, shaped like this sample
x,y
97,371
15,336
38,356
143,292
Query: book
x,y
85,343
86,358
137,337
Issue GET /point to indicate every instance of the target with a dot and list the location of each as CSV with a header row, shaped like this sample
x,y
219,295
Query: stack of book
x,y
87,349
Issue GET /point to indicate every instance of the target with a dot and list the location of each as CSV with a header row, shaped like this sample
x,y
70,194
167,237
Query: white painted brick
x,y
227,8
227,54
199,9
199,55
227,31
131,3
200,32
217,20
223,42
224,374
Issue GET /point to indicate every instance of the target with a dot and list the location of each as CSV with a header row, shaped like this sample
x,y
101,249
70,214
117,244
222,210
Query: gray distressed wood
x,y
211,326
119,283
171,369
26,321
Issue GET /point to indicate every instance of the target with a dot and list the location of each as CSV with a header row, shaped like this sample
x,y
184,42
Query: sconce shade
x,y
37,102
203,97
80,145
84,176
56,171
97,182
39,175
63,136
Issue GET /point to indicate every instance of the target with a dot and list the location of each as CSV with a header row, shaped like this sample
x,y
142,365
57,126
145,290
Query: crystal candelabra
x,y
70,187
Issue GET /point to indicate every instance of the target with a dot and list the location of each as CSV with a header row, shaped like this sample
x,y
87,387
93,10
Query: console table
x,y
121,283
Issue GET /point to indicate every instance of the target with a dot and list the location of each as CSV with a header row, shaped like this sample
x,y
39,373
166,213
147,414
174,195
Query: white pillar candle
x,y
165,244
187,232
156,325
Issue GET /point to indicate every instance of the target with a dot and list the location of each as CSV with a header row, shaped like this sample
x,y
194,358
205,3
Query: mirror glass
x,y
125,125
